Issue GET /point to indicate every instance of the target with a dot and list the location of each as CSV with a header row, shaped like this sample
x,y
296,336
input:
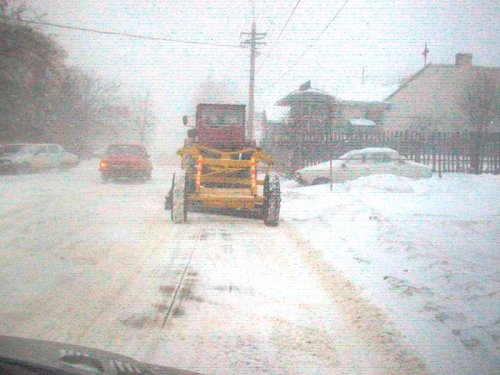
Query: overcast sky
x,y
386,37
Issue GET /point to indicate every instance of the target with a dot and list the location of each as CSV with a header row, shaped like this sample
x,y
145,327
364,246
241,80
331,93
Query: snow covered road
x,y
98,265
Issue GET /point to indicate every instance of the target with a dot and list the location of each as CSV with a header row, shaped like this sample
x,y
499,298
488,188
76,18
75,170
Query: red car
x,y
130,161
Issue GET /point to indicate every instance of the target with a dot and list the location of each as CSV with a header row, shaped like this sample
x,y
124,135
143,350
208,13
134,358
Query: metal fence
x,y
466,152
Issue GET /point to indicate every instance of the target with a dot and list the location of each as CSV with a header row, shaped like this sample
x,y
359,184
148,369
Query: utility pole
x,y
253,40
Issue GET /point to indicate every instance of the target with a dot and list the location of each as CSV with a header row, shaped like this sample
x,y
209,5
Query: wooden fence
x,y
467,152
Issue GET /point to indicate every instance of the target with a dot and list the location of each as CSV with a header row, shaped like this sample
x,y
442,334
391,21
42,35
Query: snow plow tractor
x,y
220,169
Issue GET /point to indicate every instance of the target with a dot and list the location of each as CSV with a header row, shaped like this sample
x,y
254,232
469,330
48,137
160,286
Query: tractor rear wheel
x,y
272,200
179,206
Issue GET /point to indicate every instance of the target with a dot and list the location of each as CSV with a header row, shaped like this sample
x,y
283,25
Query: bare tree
x,y
143,123
44,100
482,99
30,63
82,110
11,8
481,104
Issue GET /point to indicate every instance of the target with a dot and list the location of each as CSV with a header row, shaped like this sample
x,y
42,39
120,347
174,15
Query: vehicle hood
x,y
74,359
419,165
124,159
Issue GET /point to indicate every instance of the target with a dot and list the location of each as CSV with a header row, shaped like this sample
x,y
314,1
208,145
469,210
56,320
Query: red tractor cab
x,y
220,126
128,161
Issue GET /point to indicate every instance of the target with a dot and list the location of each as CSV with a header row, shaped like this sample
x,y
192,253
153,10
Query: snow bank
x,y
381,183
425,251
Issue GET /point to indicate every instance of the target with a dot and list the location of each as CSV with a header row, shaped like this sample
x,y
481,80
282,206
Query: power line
x,y
279,35
135,36
310,45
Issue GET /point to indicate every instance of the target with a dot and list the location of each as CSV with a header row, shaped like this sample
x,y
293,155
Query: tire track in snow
x,y
127,290
181,280
132,323
232,327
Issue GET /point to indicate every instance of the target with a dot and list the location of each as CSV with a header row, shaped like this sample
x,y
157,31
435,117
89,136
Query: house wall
x,y
434,100
348,112
372,111
313,121
310,120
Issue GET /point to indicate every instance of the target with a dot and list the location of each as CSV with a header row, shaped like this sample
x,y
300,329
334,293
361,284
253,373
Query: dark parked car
x,y
128,161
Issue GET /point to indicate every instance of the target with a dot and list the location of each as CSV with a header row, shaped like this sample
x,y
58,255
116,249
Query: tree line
x,y
42,99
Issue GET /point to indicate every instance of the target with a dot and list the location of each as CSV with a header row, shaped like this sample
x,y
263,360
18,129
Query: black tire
x,y
64,167
24,168
272,200
168,198
320,181
178,210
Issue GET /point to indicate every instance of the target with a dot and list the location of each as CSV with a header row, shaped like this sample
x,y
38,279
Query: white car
x,y
364,162
29,157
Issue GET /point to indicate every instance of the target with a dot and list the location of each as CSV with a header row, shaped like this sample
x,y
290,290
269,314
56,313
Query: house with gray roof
x,y
445,97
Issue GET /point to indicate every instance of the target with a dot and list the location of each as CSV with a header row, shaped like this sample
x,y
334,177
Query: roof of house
x,y
445,70
353,95
309,95
358,103
28,144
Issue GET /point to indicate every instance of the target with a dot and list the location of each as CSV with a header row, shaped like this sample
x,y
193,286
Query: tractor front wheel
x,y
272,200
179,206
